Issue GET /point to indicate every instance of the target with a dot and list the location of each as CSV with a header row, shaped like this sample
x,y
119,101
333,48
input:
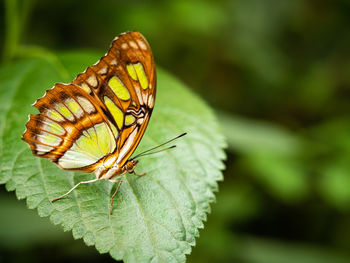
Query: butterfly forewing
x,y
99,119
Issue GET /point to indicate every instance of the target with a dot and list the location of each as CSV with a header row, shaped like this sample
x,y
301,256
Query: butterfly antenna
x,y
162,150
160,145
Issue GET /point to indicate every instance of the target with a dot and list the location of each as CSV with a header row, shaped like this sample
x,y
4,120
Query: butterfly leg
x,y
138,174
116,191
64,195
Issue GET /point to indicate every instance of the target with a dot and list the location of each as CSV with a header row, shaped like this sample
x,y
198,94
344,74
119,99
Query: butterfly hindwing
x,y
71,129
104,112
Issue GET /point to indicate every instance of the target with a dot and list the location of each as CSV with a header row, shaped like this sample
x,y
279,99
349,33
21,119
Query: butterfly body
x,y
95,123
109,172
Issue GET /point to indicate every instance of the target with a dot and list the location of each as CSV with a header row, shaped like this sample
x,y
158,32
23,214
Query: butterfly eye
x,y
129,165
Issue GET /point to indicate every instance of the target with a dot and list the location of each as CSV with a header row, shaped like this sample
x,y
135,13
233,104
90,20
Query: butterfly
x,y
95,123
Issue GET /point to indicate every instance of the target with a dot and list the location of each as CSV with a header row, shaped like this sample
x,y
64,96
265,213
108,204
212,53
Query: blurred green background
x,y
277,73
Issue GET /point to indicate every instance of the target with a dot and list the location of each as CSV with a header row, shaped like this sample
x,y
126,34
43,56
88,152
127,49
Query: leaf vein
x,y
143,217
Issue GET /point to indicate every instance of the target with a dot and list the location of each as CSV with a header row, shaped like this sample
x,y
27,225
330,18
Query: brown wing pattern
x,y
126,50
118,93
68,115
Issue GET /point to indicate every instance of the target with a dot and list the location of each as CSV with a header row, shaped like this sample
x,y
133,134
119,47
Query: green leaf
x,y
249,136
16,236
271,153
331,160
258,250
156,217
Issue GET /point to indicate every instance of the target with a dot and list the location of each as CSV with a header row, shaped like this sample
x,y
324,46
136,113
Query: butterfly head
x,y
131,164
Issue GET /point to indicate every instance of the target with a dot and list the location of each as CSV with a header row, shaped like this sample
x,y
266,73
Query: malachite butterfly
x,y
95,123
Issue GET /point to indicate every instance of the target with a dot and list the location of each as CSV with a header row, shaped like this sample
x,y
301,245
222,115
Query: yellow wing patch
x,y
140,71
54,115
129,119
137,72
118,88
49,138
65,112
114,129
54,128
91,146
115,111
74,107
85,87
131,71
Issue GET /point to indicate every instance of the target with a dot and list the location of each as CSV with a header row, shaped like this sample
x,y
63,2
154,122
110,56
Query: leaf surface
x,y
156,217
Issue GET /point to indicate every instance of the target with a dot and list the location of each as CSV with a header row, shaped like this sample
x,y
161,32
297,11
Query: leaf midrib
x,y
143,217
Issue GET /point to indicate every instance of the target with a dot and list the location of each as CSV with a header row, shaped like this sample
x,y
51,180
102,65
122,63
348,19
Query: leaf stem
x,y
16,17
12,29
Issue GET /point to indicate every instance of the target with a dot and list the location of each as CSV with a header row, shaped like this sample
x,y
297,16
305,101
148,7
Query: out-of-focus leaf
x,y
20,227
332,161
335,184
250,136
316,87
282,177
270,152
254,24
197,16
236,203
254,250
